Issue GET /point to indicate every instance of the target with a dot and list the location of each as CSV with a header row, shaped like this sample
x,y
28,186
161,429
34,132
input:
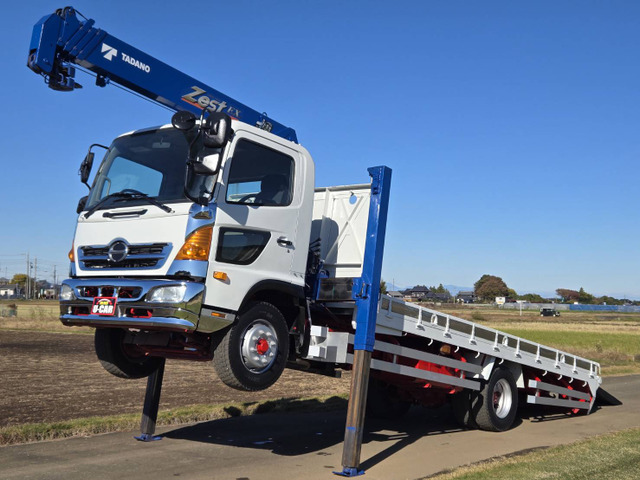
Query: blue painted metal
x,y
606,308
366,289
349,472
61,40
145,437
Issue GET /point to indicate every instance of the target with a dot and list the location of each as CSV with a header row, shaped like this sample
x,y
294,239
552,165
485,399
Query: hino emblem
x,y
118,251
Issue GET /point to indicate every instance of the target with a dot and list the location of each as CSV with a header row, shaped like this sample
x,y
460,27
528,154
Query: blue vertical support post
x,y
366,291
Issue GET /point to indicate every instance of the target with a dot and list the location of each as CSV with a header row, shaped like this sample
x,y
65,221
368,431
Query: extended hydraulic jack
x,y
150,408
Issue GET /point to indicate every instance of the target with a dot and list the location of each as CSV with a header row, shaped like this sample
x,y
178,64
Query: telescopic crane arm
x,y
61,40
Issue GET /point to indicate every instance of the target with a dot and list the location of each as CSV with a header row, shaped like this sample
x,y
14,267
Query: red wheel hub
x,y
262,346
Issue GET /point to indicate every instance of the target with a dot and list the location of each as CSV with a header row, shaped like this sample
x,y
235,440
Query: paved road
x,y
307,446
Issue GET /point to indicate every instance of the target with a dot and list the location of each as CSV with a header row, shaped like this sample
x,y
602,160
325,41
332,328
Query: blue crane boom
x,y
61,40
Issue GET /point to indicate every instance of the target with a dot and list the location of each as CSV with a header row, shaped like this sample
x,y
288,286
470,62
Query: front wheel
x,y
120,359
253,353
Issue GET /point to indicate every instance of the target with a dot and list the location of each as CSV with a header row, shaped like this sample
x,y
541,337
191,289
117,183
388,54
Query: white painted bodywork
x,y
340,217
276,262
155,226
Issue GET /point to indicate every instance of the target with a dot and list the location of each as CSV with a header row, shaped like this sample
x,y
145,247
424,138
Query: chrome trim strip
x,y
210,323
195,268
153,322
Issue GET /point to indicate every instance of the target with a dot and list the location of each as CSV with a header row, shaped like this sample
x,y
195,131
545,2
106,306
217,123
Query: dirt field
x,y
49,372
47,377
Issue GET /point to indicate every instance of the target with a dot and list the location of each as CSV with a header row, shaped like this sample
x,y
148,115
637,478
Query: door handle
x,y
285,242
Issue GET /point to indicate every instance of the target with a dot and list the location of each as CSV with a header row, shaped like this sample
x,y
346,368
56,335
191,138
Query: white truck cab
x,y
184,247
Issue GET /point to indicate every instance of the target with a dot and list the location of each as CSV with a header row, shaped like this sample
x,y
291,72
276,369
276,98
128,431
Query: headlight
x,y
172,294
66,292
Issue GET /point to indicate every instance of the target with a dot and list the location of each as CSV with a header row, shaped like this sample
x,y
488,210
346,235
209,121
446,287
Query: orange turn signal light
x,y
71,255
221,276
197,245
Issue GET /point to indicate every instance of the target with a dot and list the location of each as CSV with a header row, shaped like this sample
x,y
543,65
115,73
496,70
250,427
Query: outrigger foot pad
x,y
349,472
145,437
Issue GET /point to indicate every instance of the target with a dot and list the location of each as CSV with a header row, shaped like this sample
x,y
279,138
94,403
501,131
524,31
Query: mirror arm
x,y
89,155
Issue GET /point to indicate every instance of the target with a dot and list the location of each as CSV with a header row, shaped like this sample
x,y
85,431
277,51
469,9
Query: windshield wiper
x,y
127,194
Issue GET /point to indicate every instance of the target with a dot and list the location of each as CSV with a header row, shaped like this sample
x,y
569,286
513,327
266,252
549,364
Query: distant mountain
x,y
454,289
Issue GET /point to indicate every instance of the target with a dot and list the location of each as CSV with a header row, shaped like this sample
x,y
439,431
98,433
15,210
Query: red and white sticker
x,y
104,306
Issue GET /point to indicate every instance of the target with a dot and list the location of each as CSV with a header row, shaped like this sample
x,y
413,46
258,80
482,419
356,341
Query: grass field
x,y
608,457
610,338
37,315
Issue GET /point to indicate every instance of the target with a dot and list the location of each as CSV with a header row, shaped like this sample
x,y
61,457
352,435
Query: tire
x,y
384,403
253,352
494,408
117,360
461,408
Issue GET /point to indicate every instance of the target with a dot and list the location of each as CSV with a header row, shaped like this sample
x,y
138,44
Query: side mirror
x,y
183,120
87,163
81,204
216,130
85,168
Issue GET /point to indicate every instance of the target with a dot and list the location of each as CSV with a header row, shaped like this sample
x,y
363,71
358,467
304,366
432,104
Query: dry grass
x,y
607,457
41,316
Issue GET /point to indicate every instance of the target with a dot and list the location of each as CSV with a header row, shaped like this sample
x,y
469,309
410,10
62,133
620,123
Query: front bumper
x,y
132,310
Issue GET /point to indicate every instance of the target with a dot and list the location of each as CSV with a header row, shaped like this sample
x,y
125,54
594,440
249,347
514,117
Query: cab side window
x,y
260,176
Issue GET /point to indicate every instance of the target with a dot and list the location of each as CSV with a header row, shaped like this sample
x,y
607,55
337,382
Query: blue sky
x,y
511,127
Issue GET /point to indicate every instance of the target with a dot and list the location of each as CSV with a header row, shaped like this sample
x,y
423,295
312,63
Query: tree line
x,y
488,287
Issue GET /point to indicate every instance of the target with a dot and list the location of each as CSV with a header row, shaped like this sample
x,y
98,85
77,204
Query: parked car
x,y
549,312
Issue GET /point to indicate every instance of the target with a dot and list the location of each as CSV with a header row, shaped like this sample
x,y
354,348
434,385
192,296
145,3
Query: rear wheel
x,y
494,408
253,353
383,401
461,408
122,360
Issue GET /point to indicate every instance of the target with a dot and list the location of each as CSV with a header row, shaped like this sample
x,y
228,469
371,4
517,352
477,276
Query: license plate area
x,y
104,306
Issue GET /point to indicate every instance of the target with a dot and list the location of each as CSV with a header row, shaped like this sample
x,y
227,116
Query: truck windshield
x,y
152,162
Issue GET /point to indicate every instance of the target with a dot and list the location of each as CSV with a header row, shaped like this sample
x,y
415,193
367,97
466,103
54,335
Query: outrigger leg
x,y
150,408
366,290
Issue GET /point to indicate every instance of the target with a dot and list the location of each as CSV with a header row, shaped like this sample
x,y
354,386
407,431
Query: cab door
x,y
255,237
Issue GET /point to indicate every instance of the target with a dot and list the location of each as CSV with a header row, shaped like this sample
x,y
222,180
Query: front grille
x,y
150,249
108,291
139,256
124,264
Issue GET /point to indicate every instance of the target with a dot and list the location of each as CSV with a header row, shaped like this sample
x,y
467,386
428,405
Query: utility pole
x,y
55,283
35,280
27,284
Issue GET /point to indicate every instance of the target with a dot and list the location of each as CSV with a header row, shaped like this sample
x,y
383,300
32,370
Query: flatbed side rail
x,y
421,321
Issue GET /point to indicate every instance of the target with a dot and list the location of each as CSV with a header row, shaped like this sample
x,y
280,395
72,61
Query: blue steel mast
x,y
61,40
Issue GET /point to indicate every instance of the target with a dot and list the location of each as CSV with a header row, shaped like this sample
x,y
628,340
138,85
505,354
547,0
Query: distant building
x,y
416,293
437,297
9,290
395,294
466,297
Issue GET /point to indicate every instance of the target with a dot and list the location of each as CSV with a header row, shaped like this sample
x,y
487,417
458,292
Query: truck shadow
x,y
297,433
